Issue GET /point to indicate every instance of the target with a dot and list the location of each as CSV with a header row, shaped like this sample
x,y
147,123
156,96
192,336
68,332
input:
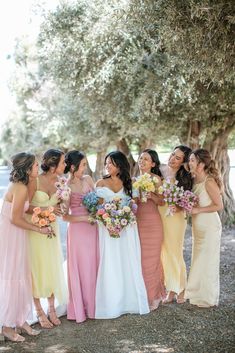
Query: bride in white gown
x,y
120,286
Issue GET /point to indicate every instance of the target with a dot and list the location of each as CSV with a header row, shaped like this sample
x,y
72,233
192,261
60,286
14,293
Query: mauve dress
x,y
82,262
151,238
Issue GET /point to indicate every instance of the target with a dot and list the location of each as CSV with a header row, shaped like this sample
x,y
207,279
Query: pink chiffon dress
x,y
15,274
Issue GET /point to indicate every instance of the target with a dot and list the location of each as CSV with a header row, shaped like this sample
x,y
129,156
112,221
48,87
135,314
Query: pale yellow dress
x,y
203,282
172,250
174,228
46,256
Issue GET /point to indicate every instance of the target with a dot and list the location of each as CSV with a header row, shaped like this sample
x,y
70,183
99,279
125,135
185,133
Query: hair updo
x,y
204,156
73,158
22,164
50,159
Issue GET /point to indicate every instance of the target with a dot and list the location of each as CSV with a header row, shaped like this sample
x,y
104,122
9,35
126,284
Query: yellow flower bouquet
x,y
145,183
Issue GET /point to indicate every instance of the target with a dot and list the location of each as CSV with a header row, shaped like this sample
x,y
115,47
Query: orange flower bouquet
x,y
44,218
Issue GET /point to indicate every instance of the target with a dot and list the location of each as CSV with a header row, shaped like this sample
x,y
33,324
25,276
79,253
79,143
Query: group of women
x,y
107,277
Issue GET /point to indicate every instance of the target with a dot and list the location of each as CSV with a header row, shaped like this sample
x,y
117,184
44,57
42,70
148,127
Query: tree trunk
x,y
124,148
218,147
194,130
99,167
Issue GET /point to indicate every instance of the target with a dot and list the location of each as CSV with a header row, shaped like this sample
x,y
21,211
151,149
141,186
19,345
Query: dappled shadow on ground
x,y
172,328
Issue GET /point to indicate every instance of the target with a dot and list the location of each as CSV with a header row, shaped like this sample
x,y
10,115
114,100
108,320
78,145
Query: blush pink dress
x,y
151,238
15,274
82,262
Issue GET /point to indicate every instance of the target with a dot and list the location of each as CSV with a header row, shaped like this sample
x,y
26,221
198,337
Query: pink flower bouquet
x,y
63,193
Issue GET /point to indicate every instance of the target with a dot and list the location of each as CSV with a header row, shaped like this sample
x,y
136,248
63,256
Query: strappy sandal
x,y
180,298
53,317
43,320
170,298
26,328
12,336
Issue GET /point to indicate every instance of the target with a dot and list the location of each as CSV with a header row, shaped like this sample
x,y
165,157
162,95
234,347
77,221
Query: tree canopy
x,y
128,73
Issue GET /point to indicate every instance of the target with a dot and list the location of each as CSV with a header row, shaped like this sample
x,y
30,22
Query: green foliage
x,y
106,70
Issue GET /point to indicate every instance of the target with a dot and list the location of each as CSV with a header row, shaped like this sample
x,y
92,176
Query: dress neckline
x,y
44,192
106,187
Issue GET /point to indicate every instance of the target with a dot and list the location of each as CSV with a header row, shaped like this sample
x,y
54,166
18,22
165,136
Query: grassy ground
x,y
172,328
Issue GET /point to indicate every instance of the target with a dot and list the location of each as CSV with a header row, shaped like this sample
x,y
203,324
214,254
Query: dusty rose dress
x,y
82,262
151,238
15,274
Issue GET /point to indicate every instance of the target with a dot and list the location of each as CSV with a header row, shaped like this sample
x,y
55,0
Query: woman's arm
x,y
20,195
214,193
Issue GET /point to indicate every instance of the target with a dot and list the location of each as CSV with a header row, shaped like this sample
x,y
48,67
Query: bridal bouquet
x,y
90,201
116,215
44,218
63,193
145,183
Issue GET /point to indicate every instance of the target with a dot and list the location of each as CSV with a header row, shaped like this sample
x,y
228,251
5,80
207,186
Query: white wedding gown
x,y
120,286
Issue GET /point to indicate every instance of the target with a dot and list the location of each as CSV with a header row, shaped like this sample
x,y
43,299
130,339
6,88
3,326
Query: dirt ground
x,y
172,328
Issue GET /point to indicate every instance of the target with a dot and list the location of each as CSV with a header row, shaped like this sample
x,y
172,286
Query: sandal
x,y
11,335
155,304
43,320
170,298
53,317
180,298
26,328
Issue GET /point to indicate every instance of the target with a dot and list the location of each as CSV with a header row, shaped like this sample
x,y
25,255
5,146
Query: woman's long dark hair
x,y
183,176
73,158
120,161
155,159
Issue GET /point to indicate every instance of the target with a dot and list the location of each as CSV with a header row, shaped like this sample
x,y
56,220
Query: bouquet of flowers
x,y
176,196
145,183
116,215
63,193
188,201
90,201
172,194
44,218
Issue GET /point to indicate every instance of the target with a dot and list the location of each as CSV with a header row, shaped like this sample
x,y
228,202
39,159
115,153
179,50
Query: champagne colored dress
x,y
15,275
174,228
203,282
46,255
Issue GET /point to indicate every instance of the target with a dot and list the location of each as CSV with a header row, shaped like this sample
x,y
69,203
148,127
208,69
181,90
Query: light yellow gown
x,y
172,250
203,282
46,256
174,228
